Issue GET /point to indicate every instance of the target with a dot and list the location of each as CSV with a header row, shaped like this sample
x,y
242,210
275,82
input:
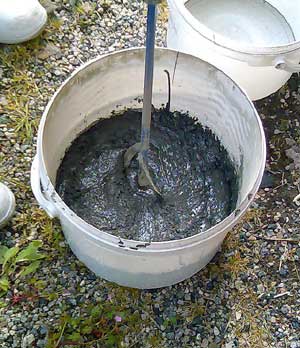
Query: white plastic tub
x,y
21,20
7,204
256,42
116,81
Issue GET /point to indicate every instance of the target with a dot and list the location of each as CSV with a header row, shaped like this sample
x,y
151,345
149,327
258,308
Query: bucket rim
x,y
112,240
228,44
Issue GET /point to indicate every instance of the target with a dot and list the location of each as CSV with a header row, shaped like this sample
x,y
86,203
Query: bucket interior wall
x,y
251,22
290,10
116,82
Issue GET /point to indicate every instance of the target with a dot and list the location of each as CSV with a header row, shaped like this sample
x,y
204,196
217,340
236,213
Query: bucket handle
x,y
37,192
286,65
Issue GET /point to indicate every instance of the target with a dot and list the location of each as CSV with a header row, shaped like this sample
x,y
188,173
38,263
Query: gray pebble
x,y
285,309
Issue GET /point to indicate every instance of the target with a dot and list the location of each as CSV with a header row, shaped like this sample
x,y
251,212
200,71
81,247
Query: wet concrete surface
x,y
188,165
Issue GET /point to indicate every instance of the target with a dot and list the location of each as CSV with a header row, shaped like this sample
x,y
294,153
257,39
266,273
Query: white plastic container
x,y
114,82
21,20
7,204
256,42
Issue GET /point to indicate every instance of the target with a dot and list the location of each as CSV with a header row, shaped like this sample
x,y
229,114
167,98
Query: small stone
x,y
277,217
48,51
57,72
252,238
204,343
294,154
41,343
239,284
74,61
187,297
3,101
43,330
87,7
270,233
272,226
216,331
295,344
72,301
229,345
179,334
238,315
260,289
283,272
35,317
267,180
285,309
170,335
27,341
180,294
24,319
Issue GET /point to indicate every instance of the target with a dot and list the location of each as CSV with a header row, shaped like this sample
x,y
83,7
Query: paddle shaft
x,y
148,79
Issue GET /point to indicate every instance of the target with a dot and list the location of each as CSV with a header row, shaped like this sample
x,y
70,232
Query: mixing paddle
x,y
141,149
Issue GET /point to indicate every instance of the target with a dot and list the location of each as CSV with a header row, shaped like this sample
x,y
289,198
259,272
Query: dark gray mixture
x,y
188,164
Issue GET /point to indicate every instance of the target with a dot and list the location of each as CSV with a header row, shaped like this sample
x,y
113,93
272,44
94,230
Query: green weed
x,y
102,323
16,262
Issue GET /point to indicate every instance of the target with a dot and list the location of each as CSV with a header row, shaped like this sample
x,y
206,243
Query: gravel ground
x,y
248,296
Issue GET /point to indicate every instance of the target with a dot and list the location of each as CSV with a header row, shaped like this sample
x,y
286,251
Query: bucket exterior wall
x,y
7,204
151,270
260,72
114,82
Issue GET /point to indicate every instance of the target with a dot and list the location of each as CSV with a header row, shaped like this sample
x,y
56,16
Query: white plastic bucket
x,y
21,20
7,204
255,42
113,82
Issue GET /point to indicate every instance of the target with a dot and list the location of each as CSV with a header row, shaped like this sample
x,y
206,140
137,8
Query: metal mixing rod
x,y
141,149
